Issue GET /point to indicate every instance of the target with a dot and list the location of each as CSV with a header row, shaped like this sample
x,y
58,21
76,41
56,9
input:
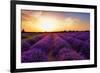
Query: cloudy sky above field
x,y
49,21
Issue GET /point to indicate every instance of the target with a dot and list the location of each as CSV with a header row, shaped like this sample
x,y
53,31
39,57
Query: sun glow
x,y
48,24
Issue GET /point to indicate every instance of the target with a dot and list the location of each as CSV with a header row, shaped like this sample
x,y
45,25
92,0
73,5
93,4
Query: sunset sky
x,y
51,21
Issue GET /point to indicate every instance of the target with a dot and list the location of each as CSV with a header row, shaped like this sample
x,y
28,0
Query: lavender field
x,y
55,46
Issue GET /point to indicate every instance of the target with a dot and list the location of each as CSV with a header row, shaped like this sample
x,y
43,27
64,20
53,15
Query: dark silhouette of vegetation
x,y
23,31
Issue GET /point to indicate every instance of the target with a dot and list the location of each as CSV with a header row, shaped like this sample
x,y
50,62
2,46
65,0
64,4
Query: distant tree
x,y
23,30
64,30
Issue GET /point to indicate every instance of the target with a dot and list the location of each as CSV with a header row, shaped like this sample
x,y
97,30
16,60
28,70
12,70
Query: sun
x,y
48,24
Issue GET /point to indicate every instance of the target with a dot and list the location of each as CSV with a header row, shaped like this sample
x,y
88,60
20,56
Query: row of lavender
x,y
42,47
